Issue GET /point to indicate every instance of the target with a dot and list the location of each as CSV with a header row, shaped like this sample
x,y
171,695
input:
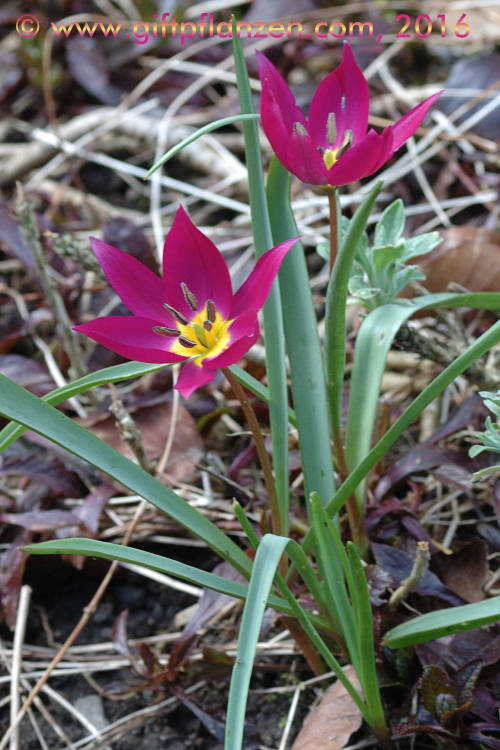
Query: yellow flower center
x,y
330,156
207,331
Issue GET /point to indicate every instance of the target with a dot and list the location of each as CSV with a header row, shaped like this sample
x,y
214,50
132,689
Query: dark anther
x,y
177,315
189,297
345,143
299,128
207,325
163,331
331,129
211,310
186,342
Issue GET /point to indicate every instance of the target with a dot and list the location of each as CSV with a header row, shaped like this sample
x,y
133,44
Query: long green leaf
x,y
128,370
443,622
366,645
336,298
430,392
302,341
438,385
332,575
264,568
25,408
373,342
197,134
273,321
110,551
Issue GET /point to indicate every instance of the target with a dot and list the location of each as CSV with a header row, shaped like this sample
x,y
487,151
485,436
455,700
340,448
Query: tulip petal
x,y
132,337
189,257
305,160
192,377
345,93
278,110
253,292
363,159
139,288
406,126
243,332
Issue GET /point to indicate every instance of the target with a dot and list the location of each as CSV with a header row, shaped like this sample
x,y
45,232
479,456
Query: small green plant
x,y
381,272
490,438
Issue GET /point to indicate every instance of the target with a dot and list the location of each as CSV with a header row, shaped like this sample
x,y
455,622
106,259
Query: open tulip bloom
x,y
332,147
192,314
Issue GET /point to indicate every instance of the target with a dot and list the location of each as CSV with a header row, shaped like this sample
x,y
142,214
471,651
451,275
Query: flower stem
x,y
338,445
334,227
261,448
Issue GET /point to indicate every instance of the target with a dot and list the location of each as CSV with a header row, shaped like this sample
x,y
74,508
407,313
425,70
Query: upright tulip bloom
x,y
192,314
333,146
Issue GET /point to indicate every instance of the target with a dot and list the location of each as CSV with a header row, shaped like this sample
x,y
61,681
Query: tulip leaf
x,y
197,134
336,299
443,622
302,340
476,350
114,374
18,404
273,320
373,342
264,568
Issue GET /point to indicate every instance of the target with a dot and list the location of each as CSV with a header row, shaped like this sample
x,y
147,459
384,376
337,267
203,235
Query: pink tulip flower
x,y
191,315
332,147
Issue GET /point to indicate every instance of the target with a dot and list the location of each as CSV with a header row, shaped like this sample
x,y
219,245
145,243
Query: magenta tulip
x,y
332,147
191,315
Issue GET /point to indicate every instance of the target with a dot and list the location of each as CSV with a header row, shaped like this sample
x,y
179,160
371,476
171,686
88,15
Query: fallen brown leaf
x,y
331,723
465,571
153,422
469,256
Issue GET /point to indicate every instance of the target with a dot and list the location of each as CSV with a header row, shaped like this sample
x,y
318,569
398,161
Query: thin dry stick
x,y
22,615
261,448
418,571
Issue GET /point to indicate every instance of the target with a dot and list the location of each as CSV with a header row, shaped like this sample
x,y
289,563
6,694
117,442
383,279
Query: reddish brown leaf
x,y
26,372
333,721
465,571
12,563
42,520
87,64
399,565
153,420
469,256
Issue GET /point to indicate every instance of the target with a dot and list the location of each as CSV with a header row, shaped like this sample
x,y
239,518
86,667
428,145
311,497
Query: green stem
x,y
334,226
335,336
